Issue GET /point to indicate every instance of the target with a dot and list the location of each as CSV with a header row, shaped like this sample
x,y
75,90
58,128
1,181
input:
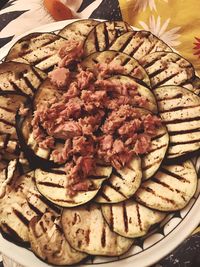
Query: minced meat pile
x,y
95,118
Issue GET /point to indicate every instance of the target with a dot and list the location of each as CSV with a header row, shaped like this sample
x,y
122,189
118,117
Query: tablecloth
x,y
175,21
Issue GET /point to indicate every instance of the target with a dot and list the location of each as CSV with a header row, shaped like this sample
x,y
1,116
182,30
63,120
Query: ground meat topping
x,y
95,118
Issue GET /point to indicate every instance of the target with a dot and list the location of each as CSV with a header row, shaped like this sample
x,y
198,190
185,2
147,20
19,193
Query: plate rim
x,y
149,257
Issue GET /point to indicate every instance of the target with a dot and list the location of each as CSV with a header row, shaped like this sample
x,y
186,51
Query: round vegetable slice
x,y
87,231
171,188
19,205
179,109
130,219
38,49
78,30
20,78
103,34
167,68
138,44
122,184
53,185
116,63
48,242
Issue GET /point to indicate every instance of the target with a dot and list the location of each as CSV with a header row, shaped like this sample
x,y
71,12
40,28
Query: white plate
x,y
150,249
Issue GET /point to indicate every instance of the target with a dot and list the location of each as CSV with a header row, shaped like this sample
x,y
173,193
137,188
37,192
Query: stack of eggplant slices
x,y
97,124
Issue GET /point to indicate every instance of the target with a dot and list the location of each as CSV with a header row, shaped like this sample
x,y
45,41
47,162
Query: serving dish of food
x,y
99,146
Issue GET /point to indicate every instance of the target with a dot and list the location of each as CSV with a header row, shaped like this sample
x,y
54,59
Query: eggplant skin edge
x,y
17,241
34,160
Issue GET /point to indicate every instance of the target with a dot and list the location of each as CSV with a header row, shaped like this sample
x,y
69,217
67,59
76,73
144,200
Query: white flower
x,y
35,15
141,5
169,36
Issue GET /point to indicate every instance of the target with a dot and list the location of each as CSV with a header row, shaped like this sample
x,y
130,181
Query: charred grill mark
x,y
37,74
175,121
16,88
11,232
184,142
87,236
149,64
49,184
138,216
49,204
29,84
76,219
7,139
95,61
158,136
156,72
125,217
116,173
116,189
47,70
103,195
98,177
57,172
126,61
79,243
105,32
35,209
177,108
7,109
96,41
111,218
173,133
103,235
151,191
11,138
174,175
125,44
136,48
177,96
39,60
165,80
7,122
157,148
21,217
152,164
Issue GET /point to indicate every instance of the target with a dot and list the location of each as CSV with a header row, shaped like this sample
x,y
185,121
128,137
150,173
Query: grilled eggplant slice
x,y
38,49
129,65
9,171
78,30
130,219
179,109
153,159
87,231
170,189
166,68
53,185
10,102
122,184
103,34
143,91
20,78
138,44
20,204
48,241
15,216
